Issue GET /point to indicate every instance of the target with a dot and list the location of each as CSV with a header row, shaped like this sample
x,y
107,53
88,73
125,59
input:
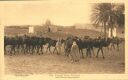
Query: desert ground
x,y
20,64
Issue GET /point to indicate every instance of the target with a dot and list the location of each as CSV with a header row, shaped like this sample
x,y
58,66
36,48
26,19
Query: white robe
x,y
75,56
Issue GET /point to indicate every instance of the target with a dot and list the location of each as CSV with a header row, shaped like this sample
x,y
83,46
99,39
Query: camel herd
x,y
32,44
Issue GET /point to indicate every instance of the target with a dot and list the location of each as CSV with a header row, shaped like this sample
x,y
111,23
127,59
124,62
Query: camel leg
x,y
42,49
117,47
87,53
102,53
49,50
90,53
46,49
56,50
98,52
93,51
82,53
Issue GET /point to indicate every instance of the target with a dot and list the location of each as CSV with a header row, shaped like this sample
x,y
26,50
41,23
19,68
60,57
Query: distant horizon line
x,y
44,24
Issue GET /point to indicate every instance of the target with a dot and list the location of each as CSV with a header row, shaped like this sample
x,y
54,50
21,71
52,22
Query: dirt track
x,y
51,63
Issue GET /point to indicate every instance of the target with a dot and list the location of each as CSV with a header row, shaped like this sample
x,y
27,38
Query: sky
x,y
59,12
65,12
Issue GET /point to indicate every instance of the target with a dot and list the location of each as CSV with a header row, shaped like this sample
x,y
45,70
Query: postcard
x,y
63,40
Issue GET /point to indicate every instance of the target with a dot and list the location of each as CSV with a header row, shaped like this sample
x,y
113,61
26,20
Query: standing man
x,y
75,56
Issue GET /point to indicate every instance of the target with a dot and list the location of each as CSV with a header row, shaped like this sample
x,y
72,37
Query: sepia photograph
x,y
64,37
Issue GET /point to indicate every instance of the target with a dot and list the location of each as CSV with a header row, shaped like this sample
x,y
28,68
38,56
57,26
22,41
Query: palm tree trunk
x,y
111,32
105,30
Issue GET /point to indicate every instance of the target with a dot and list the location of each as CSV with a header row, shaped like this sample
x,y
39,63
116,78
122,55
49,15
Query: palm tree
x,y
100,14
108,15
120,15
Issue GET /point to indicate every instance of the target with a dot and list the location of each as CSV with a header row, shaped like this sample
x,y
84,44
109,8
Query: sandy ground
x,y
21,64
